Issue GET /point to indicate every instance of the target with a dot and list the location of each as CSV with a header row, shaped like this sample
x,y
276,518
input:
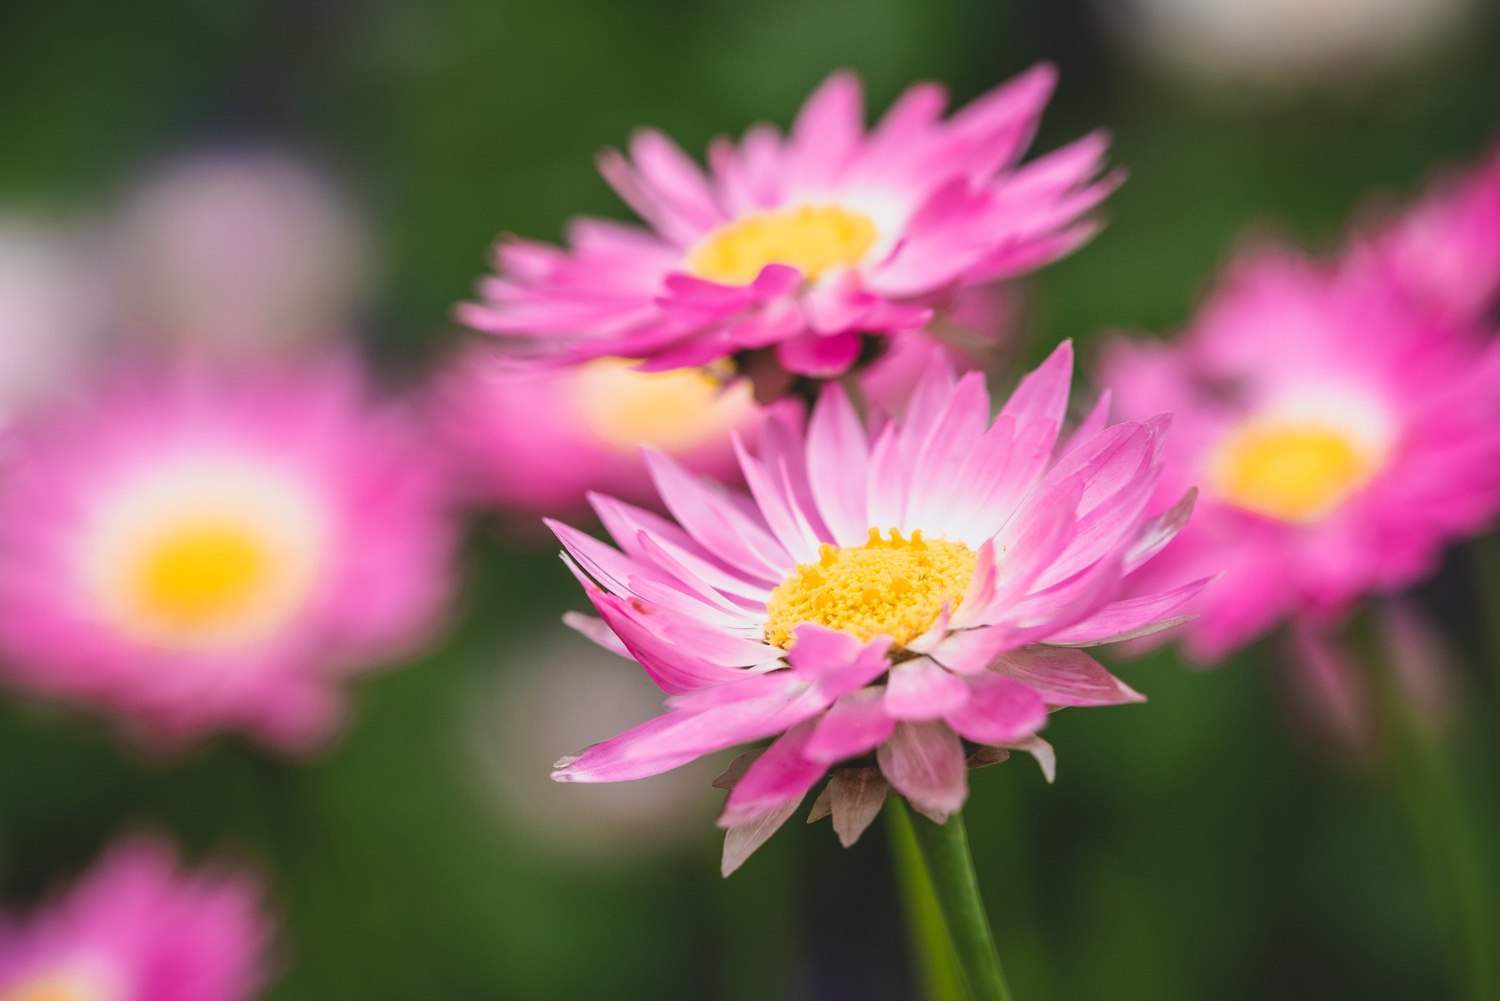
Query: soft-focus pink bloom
x,y
135,928
537,441
898,597
801,247
240,250
1445,250
1341,432
191,548
51,309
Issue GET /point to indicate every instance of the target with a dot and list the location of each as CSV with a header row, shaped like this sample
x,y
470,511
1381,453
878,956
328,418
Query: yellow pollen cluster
x,y
811,238
892,587
1292,472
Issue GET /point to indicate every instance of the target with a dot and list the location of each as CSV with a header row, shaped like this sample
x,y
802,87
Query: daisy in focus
x,y
801,252
136,928
1342,430
893,601
192,550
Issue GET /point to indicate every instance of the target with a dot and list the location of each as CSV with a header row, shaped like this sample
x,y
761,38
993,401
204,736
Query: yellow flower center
x,y
205,555
197,577
895,587
673,411
1292,471
810,238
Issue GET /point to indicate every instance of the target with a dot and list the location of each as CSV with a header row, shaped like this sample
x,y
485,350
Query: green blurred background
x,y
1195,847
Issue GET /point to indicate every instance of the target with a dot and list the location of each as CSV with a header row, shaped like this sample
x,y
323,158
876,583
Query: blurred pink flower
x,y
1445,251
537,442
800,249
240,249
135,928
1342,434
51,310
192,548
883,596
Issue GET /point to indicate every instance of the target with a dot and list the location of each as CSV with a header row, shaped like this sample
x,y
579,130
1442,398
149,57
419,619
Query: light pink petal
x,y
1131,618
596,630
999,711
1066,677
721,528
1043,394
921,690
1039,749
925,763
611,761
1159,531
837,458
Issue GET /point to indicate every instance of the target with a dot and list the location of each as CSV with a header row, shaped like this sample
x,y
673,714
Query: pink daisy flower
x,y
192,549
891,600
801,248
135,928
1342,434
1445,250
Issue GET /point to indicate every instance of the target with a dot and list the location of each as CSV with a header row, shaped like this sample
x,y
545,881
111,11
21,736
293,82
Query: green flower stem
x,y
944,849
937,967
1433,799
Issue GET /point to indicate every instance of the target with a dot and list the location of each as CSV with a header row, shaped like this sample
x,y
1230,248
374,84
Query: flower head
x,y
193,549
1342,432
891,601
1445,250
799,248
137,929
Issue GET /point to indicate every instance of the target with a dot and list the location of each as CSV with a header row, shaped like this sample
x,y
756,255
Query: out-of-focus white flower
x,y
567,689
50,309
248,249
1284,44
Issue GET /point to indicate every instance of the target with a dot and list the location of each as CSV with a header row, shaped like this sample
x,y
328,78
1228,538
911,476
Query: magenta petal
x,y
921,690
611,760
779,776
855,725
999,711
817,355
925,763
1131,618
1066,677
837,662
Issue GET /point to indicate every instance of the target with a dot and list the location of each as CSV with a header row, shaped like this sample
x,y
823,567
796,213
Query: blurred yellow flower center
x,y
810,238
200,576
892,587
673,411
55,987
207,553
1297,472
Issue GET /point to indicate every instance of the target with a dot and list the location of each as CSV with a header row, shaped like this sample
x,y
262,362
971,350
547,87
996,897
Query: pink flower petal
x,y
925,763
